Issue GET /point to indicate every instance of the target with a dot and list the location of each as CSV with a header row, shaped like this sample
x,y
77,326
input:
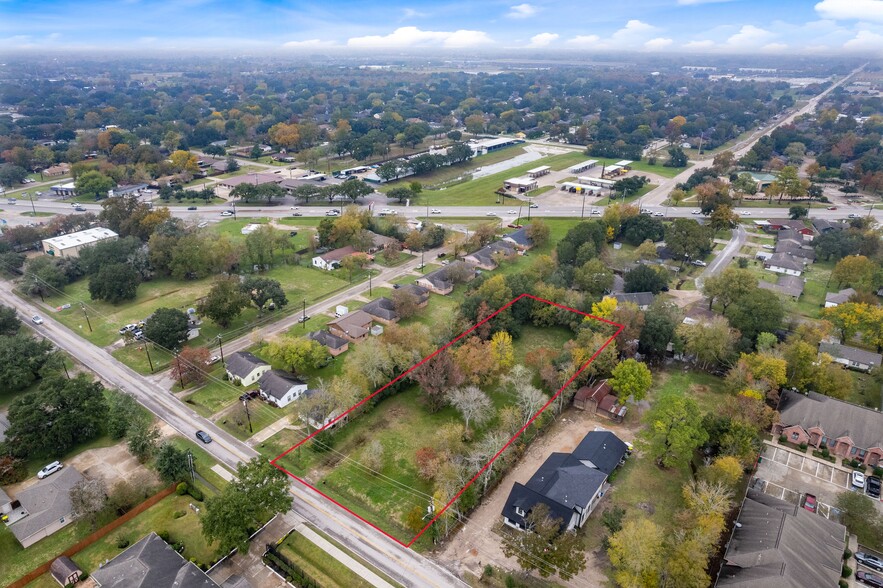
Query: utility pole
x,y
370,276
147,350
33,208
247,414
180,375
83,306
221,345
582,213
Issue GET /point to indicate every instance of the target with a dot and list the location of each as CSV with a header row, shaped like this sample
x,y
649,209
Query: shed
x,y
65,571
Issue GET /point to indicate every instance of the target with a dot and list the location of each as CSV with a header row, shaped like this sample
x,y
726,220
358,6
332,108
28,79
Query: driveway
x,y
723,259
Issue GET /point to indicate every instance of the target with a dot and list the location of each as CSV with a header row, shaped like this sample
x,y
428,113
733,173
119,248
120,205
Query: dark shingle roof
x,y
46,501
486,254
639,298
151,563
835,417
851,353
277,383
602,450
421,293
382,308
520,237
327,339
840,297
242,363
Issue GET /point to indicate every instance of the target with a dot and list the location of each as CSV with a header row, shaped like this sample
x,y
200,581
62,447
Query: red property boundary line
x,y
495,456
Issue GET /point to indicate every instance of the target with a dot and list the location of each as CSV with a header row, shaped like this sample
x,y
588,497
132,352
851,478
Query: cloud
x,y
584,40
657,44
412,13
865,41
308,44
414,37
632,28
867,10
750,37
699,45
542,40
774,47
694,2
522,11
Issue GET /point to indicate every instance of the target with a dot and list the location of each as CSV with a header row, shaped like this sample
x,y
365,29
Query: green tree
x,y
646,279
657,332
712,342
88,498
166,327
122,409
296,354
544,547
232,165
114,283
263,290
636,552
686,238
674,429
93,184
723,217
258,492
171,463
797,212
9,323
224,302
729,286
43,277
676,157
861,518
142,438
757,311
401,194
857,271
631,380
21,359
11,174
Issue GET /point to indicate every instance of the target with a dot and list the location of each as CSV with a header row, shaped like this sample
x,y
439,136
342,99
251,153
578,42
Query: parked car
x,y
869,579
50,469
36,319
396,286
873,487
435,211
872,561
128,328
442,254
227,213
858,480
204,437
191,208
303,318
810,503
213,360
699,262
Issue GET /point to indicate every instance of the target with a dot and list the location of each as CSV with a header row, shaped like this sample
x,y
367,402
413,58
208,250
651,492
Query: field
x,y
452,172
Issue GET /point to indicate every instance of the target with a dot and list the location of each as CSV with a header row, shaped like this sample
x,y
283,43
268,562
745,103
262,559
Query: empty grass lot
x,y
452,172
327,571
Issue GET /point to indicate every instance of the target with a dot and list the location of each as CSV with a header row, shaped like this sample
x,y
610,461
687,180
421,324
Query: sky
x,y
311,26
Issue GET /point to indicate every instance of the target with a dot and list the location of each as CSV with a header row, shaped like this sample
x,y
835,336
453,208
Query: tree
x,y
502,350
595,276
43,277
674,429
189,366
797,212
857,271
538,232
114,283
656,334
729,286
171,463
93,184
676,157
142,438
122,408
474,360
56,417
757,311
645,279
473,404
372,456
605,307
224,301
544,547
631,380
296,354
258,492
712,343
9,323
11,174
263,290
723,162
405,303
725,470
22,358
636,553
401,193
723,217
167,328
435,377
860,517
88,498
637,229
686,238
232,165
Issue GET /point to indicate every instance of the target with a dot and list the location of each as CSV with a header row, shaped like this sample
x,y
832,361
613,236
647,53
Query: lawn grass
x,y
401,258
235,421
38,213
16,561
452,172
213,397
326,571
628,199
202,461
355,556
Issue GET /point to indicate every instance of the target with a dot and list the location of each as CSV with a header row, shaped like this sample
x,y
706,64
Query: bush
x,y
847,553
803,446
122,542
843,584
195,493
164,535
178,514
488,571
782,438
181,489
510,582
825,452
878,471
846,572
742,262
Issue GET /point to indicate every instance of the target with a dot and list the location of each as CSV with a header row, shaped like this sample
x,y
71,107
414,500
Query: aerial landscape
x,y
415,294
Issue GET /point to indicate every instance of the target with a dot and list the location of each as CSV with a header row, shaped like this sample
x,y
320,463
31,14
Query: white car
x,y
699,262
226,213
435,211
36,319
385,211
50,469
213,360
490,213
646,211
332,213
658,214
511,212
744,213
858,480
596,212
697,211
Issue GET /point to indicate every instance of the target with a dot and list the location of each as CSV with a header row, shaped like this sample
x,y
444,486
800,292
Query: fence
x,y
89,540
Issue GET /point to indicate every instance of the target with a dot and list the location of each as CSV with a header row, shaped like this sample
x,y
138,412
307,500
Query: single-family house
x,y
245,368
64,571
519,239
786,285
334,344
852,357
782,263
795,230
61,169
442,280
642,300
382,310
281,388
420,294
44,508
587,397
795,249
569,484
151,563
318,415
778,543
833,299
380,242
331,260
823,226
489,256
847,430
353,326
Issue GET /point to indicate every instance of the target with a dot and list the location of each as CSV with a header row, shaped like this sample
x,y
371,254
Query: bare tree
x,y
483,451
372,456
88,498
473,404
528,398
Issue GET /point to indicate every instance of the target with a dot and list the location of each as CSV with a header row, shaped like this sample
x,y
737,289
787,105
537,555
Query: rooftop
x,y
242,363
85,237
835,417
851,353
46,501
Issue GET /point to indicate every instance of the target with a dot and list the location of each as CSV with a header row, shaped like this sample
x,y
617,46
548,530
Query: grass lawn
x,y
202,461
327,571
38,213
247,169
640,166
401,258
452,172
628,199
16,561
212,398
235,421
353,555
540,190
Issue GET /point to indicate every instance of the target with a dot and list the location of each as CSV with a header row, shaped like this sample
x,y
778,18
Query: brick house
x,y
353,326
848,430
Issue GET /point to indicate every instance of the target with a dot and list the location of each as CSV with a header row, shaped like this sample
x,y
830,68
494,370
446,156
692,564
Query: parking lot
x,y
788,475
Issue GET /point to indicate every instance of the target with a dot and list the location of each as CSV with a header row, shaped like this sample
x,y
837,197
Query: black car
x,y
203,436
191,208
442,254
396,286
80,208
869,579
292,233
872,561
873,487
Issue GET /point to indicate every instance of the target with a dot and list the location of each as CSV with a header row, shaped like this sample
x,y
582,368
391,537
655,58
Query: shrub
x,y
742,262
878,471
122,542
825,452
488,571
612,519
178,514
510,582
843,584
181,489
782,438
847,553
196,493
803,446
846,572
164,535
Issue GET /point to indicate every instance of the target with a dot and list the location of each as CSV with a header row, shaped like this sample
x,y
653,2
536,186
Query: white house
x,y
833,299
245,368
331,260
281,388
782,263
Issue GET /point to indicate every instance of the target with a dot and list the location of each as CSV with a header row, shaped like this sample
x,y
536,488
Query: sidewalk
x,y
269,431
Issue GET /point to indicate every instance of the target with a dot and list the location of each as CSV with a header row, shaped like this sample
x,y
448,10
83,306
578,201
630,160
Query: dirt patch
x,y
112,464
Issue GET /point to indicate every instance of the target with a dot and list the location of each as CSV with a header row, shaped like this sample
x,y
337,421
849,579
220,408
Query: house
x,y
334,344
441,281
848,430
245,368
151,563
253,178
380,242
353,326
382,310
69,245
64,571
795,230
642,300
796,251
778,543
44,508
420,293
852,357
331,260
787,285
61,169
823,226
280,388
519,239
569,484
833,299
487,257
317,418
782,263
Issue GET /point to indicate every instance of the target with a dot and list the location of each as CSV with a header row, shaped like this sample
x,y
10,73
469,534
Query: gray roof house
x,y
383,310
569,484
441,281
794,249
788,285
281,388
833,299
823,226
486,257
519,238
784,263
419,292
151,563
780,545
335,345
851,357
46,507
245,367
643,300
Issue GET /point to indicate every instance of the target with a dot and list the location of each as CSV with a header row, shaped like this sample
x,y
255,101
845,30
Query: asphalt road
x,y
404,565
724,257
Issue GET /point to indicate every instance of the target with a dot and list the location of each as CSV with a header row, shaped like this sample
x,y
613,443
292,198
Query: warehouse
x,y
584,166
70,245
596,182
538,171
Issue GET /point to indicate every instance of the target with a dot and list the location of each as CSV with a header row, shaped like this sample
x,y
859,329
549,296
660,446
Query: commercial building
x,y
520,185
539,171
70,245
581,167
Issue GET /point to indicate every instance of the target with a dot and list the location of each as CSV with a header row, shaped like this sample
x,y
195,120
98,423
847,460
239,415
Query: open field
x,y
452,172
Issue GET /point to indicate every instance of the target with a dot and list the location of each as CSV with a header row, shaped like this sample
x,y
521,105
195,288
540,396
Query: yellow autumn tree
x,y
502,350
604,309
